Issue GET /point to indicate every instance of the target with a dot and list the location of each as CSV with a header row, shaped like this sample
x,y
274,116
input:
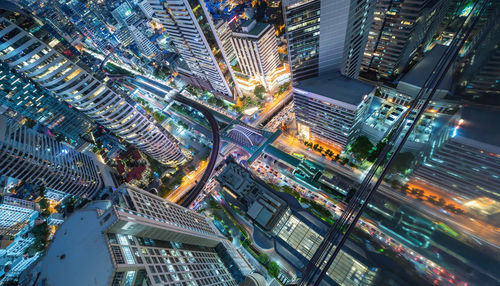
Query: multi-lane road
x,y
481,231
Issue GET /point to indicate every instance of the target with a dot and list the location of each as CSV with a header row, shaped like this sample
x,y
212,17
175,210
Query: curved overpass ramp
x,y
162,90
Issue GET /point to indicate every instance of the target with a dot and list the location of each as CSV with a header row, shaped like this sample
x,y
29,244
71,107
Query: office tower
x,y
146,9
399,28
123,14
326,35
144,45
128,19
87,19
191,29
39,56
124,36
15,214
466,159
330,107
140,239
20,96
479,69
224,32
41,160
295,233
257,50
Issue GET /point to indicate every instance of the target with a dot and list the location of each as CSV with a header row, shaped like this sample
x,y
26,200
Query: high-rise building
x,y
466,159
224,32
146,8
326,40
20,96
39,56
257,50
139,239
145,46
15,214
88,21
123,14
479,69
326,35
331,107
39,159
191,29
399,28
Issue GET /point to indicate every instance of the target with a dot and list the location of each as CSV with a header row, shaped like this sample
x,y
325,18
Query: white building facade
x,y
193,32
257,50
41,160
139,239
39,56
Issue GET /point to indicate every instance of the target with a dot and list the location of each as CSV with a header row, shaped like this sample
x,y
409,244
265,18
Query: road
x,y
270,108
428,266
163,91
479,230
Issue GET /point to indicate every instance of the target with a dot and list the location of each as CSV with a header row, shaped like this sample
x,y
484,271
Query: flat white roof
x,y
86,261
335,86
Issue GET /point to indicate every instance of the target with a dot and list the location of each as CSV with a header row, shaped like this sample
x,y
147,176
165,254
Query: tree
x,y
402,162
45,214
259,91
373,155
219,102
43,203
361,147
284,86
213,204
264,258
441,202
273,269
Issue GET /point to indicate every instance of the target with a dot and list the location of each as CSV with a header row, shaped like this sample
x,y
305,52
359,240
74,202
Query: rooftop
x,y
252,28
79,241
419,73
480,125
336,86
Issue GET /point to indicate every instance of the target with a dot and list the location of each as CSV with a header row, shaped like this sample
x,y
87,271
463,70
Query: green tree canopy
x,y
402,162
264,258
273,269
43,203
361,147
373,155
259,91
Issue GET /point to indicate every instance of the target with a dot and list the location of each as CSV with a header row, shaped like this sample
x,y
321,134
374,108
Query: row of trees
x,y
363,149
326,152
433,199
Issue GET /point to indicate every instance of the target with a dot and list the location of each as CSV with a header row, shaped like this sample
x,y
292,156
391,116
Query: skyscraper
x,y
257,50
146,47
466,159
39,159
224,32
479,69
87,20
20,96
326,40
191,28
15,214
331,107
326,35
139,239
39,56
399,28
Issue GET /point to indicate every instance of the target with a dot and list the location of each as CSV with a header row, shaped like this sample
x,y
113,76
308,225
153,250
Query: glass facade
x,y
303,28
